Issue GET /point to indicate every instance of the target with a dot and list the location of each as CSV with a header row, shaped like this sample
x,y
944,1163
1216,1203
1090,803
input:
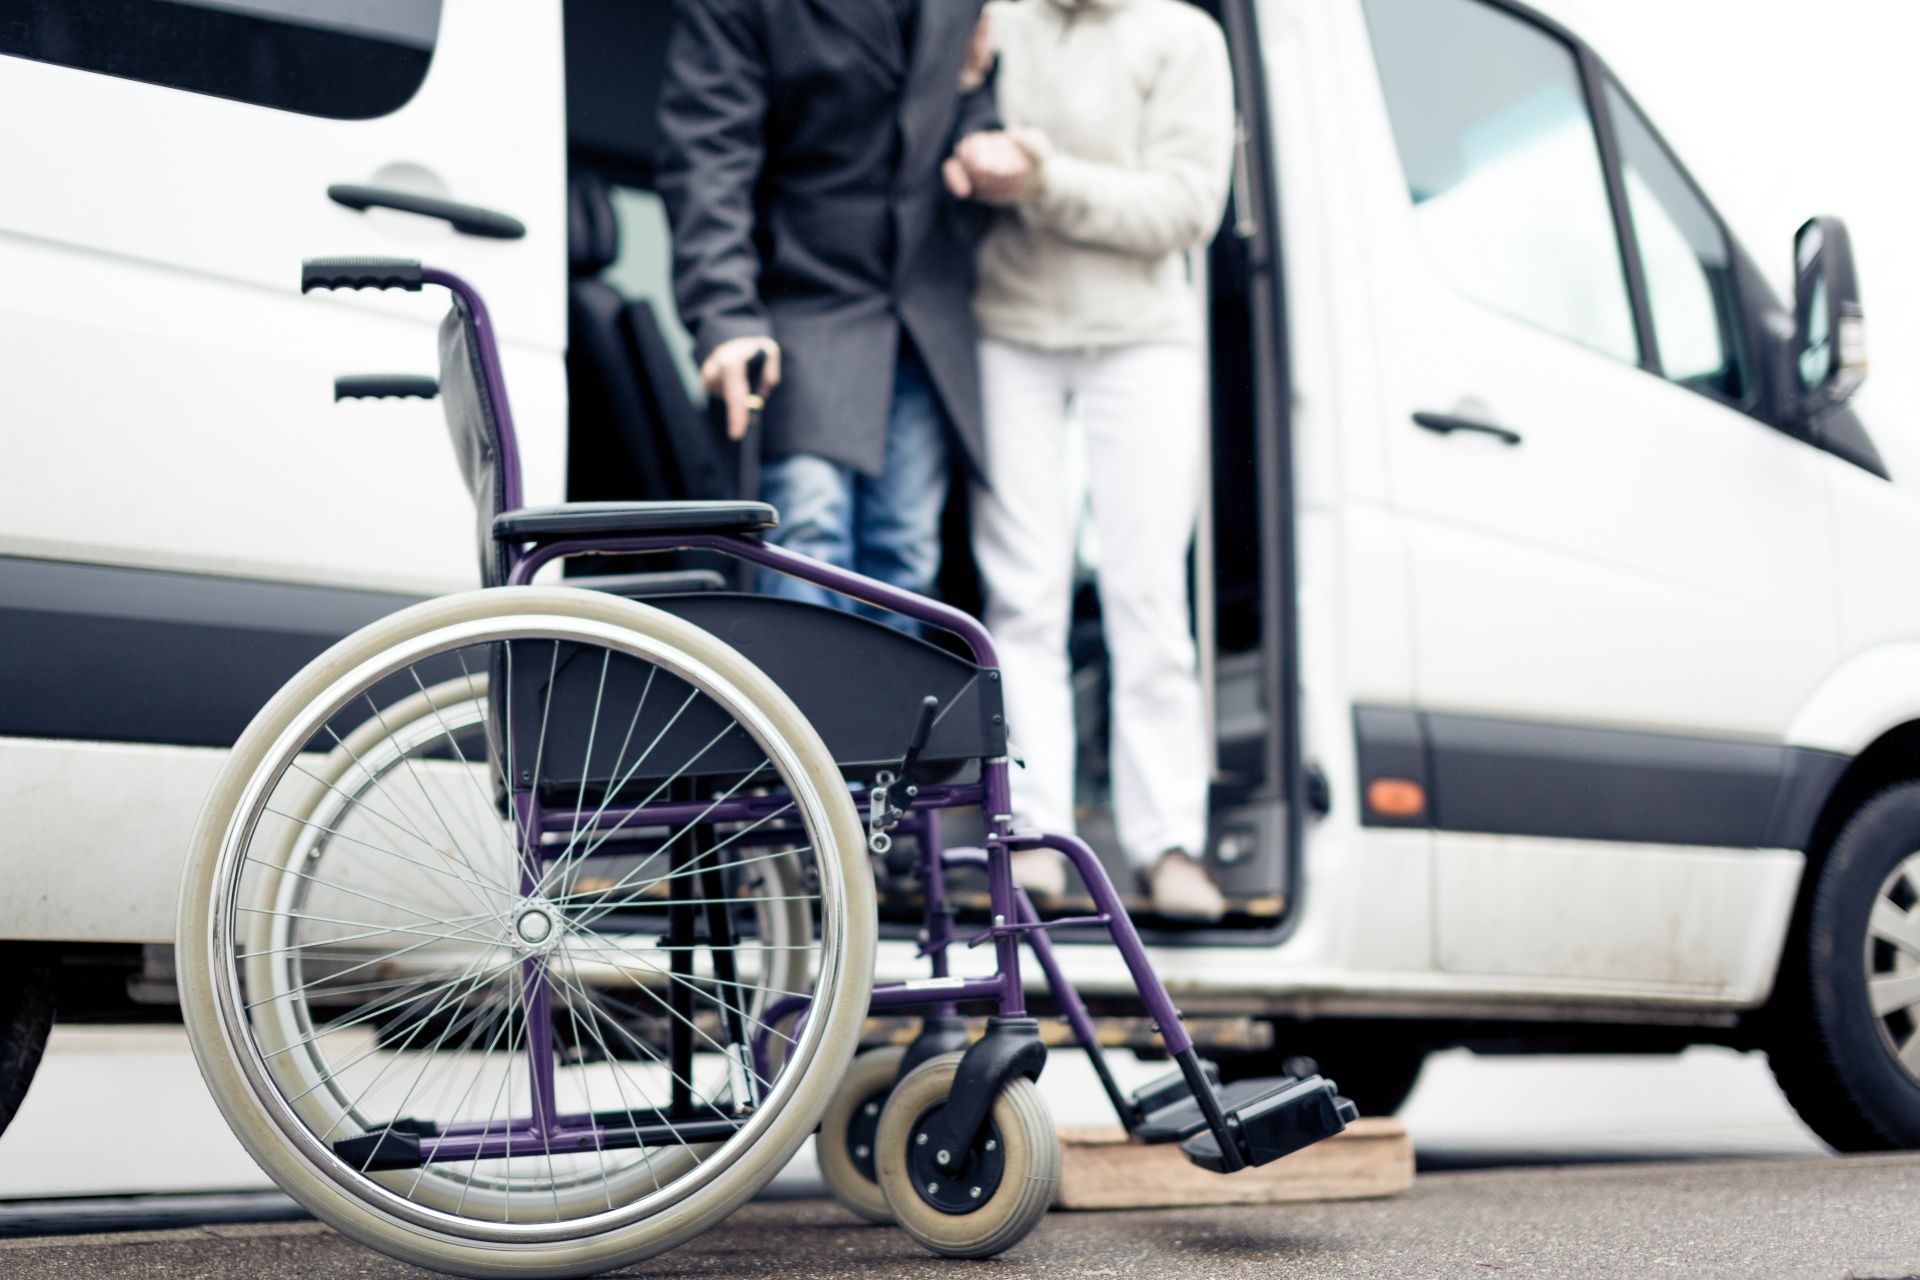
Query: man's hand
x,y
724,373
990,167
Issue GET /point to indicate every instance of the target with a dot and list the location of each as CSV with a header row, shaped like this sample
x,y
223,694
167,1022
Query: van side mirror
x,y
1829,328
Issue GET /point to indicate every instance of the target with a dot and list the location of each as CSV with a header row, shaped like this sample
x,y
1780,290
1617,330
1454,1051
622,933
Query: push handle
x,y
379,386
359,273
467,219
1447,423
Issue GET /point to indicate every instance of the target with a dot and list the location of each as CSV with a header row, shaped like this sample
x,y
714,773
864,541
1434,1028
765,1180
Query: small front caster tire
x,y
987,1199
850,1128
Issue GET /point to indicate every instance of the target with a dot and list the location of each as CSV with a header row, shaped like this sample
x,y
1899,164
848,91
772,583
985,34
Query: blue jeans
x,y
886,527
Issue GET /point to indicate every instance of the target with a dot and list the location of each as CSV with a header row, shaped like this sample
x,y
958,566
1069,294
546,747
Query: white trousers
x,y
1140,407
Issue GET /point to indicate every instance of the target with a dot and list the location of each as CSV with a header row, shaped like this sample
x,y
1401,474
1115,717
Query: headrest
x,y
593,236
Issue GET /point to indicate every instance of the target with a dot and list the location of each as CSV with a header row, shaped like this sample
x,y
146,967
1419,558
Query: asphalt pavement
x,y
1690,1165
1755,1220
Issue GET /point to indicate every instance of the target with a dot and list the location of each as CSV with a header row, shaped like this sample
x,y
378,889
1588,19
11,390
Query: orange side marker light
x,y
1396,797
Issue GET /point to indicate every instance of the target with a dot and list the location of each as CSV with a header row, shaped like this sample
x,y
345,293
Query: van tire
x,y
1826,1046
26,1016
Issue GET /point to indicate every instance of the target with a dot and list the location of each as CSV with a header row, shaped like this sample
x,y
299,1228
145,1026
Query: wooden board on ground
x,y
1102,1169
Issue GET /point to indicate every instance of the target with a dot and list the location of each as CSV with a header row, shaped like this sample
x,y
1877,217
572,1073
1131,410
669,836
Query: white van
x,y
1565,685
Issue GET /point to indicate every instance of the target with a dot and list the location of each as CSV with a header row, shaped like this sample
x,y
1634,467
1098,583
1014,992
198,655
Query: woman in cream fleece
x,y
1122,111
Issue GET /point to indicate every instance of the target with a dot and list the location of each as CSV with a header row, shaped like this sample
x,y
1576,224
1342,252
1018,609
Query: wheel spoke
x,y
1894,993
1890,924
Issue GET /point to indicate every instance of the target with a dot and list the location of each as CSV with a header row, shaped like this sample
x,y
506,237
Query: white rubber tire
x,y
1028,1181
438,1241
869,1081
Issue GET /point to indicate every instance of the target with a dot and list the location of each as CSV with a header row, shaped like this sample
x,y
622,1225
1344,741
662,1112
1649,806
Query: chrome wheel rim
x,y
1892,961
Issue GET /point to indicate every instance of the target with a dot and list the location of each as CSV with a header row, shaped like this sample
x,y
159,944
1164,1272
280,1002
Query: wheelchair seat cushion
x,y
631,519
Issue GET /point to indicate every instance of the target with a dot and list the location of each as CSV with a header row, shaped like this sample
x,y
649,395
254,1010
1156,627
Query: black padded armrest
x,y
631,519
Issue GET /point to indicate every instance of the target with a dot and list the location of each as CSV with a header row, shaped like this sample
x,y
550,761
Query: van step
x,y
1170,1090
1290,1115
1180,1120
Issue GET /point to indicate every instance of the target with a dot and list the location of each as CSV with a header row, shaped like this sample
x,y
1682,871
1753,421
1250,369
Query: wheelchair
x,y
530,931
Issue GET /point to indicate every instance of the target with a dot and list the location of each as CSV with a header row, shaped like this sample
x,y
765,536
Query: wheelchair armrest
x,y
630,519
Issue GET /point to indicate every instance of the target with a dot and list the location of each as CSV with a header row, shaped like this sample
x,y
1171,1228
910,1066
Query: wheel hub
x,y
963,1180
534,927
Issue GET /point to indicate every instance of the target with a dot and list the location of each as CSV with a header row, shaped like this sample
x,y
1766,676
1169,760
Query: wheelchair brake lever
x,y
917,741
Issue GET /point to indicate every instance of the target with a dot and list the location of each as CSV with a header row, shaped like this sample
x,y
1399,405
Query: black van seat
x,y
617,519
612,436
633,432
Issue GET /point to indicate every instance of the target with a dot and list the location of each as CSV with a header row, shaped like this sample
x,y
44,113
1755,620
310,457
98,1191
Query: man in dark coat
x,y
801,151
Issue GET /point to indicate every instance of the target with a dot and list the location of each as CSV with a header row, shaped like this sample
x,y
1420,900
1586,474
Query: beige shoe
x,y
1181,889
1041,872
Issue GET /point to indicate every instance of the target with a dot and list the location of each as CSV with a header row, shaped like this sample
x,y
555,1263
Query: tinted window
x,y
1684,257
348,59
1503,166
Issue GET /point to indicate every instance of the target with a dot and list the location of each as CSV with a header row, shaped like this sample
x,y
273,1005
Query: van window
x,y
344,59
1684,257
1503,166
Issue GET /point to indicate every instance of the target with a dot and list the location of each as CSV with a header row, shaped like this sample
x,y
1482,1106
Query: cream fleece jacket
x,y
1130,108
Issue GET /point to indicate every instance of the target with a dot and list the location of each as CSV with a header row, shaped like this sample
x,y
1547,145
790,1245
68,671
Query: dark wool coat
x,y
800,158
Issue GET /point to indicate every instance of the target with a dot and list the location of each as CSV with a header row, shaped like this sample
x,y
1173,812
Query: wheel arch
x,y
1868,711
1890,759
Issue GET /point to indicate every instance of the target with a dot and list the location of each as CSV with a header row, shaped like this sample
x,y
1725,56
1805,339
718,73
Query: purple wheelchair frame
x,y
1014,919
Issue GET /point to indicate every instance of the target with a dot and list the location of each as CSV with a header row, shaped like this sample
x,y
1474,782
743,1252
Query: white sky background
x,y
1786,108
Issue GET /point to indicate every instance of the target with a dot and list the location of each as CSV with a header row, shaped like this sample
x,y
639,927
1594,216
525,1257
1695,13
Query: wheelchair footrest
x,y
1289,1115
1178,1121
1169,1090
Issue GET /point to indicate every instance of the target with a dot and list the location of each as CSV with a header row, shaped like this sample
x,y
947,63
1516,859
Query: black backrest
x,y
475,431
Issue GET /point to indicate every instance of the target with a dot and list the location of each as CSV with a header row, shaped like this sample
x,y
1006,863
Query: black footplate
x,y
1288,1115
1178,1121
1169,1090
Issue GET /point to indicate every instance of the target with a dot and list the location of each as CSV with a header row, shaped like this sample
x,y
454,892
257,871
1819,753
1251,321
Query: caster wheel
x,y
850,1128
989,1198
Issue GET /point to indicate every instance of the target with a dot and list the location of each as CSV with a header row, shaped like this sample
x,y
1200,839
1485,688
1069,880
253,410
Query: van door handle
x,y
466,218
1447,424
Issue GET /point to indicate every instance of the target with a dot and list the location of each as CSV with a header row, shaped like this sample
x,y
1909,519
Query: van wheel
x,y
1846,1028
26,1015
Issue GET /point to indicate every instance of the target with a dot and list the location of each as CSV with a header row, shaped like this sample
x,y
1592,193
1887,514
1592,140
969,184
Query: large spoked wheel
x,y
979,1202
486,919
1846,1038
851,1127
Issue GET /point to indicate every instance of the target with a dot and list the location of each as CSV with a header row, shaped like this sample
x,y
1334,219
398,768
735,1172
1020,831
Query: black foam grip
x,y
359,273
376,386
